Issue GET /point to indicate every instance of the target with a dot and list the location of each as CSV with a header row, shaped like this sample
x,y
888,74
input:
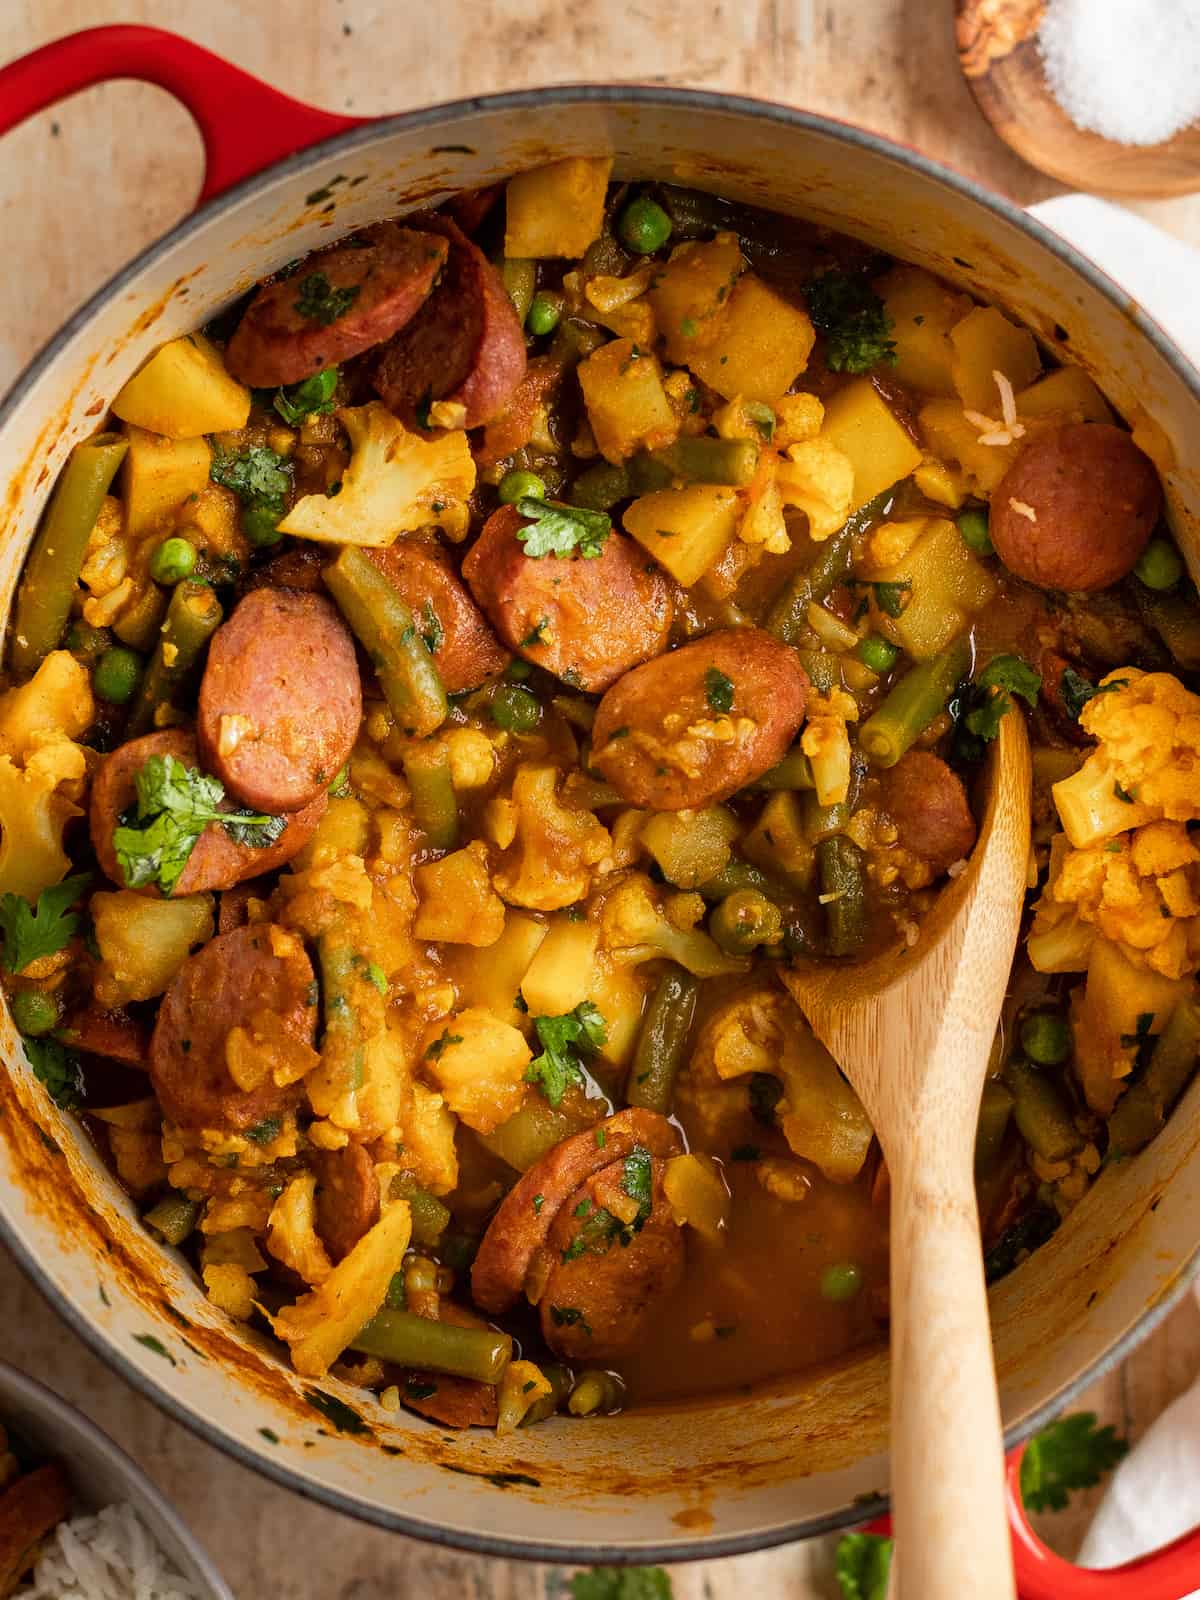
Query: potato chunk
x,y
686,530
690,292
761,345
458,904
143,943
184,391
556,210
859,421
159,474
626,403
478,1062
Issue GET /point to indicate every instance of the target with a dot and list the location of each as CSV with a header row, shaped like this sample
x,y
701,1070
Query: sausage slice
x,y
115,1035
347,1197
217,861
235,975
1075,509
585,620
928,804
694,726
466,346
465,650
520,1227
605,1279
280,700
338,303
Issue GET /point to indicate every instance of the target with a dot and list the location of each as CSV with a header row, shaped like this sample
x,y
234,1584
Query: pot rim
x,y
709,1547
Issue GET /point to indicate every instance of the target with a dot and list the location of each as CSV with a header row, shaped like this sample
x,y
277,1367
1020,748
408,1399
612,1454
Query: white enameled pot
x,y
715,1478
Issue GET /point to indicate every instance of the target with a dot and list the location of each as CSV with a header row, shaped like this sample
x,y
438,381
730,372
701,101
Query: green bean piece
x,y
596,1391
385,628
1160,566
519,277
823,667
34,1012
793,772
1046,1038
430,1218
912,703
544,311
574,339
193,615
841,1282
560,1380
743,921
601,487
343,1044
740,875
138,624
1142,1110
434,802
662,1042
515,709
56,559
700,460
788,617
1175,617
116,675
823,822
173,1217
411,1341
86,642
843,894
995,1110
1042,1115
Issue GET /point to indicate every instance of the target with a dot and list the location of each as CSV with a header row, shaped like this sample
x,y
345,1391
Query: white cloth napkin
x,y
1154,1495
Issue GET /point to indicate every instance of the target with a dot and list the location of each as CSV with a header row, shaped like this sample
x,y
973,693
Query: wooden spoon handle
x,y
947,1442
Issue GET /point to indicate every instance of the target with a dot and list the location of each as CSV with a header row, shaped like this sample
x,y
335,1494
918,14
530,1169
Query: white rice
x,y
111,1556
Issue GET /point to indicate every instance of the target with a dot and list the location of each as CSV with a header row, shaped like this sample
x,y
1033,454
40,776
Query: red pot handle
x,y
245,123
1167,1574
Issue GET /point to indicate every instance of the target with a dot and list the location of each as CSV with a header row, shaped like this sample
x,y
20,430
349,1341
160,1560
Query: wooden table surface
x,y
85,186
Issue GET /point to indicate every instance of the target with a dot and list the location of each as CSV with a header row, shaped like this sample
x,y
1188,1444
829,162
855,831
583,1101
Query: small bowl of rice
x,y
119,1539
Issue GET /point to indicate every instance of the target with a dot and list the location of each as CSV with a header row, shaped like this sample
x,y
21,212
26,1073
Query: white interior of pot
x,y
727,1475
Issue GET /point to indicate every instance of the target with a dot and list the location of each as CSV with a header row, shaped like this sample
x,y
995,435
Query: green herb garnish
x,y
319,301
563,1040
718,690
259,476
312,398
556,529
30,934
1072,1453
852,317
58,1070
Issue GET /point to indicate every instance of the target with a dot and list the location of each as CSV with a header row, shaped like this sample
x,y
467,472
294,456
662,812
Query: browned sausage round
x,y
1075,509
216,861
221,987
585,620
465,650
520,1228
280,700
347,1197
605,1280
700,723
298,568
287,334
113,1034
928,804
466,346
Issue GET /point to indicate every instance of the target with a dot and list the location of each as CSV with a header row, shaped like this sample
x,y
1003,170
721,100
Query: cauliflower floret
x,y
826,743
637,924
429,1151
292,1231
553,846
478,1062
764,522
56,702
106,558
396,482
1147,765
818,478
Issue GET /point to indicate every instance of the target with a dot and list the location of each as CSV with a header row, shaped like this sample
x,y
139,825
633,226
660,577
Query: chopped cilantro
x,y
319,301
149,1342
852,317
555,529
982,705
539,1200
1070,1454
58,1069
443,1040
266,1130
762,416
431,628
718,690
312,398
569,1317
563,1040
343,1417
637,1182
1124,794
536,634
260,477
1076,690
891,594
47,928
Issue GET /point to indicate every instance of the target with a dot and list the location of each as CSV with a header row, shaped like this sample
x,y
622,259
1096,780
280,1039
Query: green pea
x,y
1046,1038
33,1012
973,526
876,653
544,311
260,525
173,561
1160,565
117,674
515,709
644,226
842,1281
517,670
516,486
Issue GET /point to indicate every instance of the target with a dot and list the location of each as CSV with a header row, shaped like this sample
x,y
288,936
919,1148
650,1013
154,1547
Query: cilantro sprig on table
x,y
564,1039
983,704
41,930
556,529
845,308
174,805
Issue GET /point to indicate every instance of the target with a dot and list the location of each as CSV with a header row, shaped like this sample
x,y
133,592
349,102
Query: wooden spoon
x,y
1000,61
913,1030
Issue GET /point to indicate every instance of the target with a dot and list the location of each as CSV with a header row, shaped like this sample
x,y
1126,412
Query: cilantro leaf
x,y
718,690
431,629
175,804
312,398
319,301
637,1180
852,317
863,1561
762,416
56,1067
621,1583
556,529
1010,672
260,477
1076,690
891,594
1070,1454
983,704
563,1040
47,928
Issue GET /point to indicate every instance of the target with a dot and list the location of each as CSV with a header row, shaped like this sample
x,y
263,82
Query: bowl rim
x,y
128,1477
714,1546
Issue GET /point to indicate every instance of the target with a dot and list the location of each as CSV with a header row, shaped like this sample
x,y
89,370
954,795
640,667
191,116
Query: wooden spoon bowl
x,y
999,57
913,1031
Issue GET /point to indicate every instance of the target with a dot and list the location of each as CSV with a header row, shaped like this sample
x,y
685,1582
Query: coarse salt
x,y
1126,69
